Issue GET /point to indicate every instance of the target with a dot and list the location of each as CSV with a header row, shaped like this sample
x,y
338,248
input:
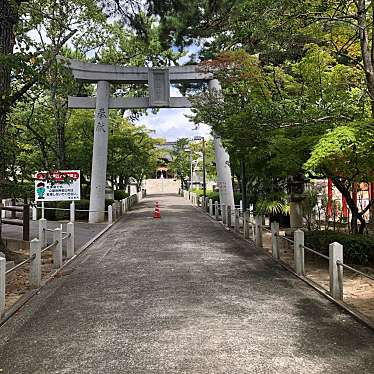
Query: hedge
x,y
120,194
215,195
358,249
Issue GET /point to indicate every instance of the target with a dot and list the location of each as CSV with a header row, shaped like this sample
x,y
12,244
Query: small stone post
x,y
228,214
34,213
2,285
299,252
35,264
207,204
70,240
237,220
211,207
114,211
246,225
258,230
216,210
72,211
110,214
275,240
3,212
223,213
43,232
336,271
57,249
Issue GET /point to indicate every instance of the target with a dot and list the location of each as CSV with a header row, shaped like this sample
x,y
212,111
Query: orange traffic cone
x,y
157,213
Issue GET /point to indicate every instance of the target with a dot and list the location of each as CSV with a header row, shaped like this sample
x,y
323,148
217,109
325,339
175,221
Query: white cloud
x,y
172,124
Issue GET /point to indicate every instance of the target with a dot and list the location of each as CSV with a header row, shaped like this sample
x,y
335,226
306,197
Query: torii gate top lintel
x,y
158,80
84,71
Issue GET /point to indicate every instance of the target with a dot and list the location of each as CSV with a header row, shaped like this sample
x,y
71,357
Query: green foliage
x,y
64,215
215,195
272,207
120,194
358,249
345,151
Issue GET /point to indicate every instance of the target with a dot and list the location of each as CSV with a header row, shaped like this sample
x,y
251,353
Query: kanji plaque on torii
x,y
159,81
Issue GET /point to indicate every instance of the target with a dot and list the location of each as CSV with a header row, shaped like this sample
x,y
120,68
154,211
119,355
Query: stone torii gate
x,y
158,80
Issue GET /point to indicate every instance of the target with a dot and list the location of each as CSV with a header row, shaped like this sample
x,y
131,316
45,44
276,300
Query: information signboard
x,y
60,185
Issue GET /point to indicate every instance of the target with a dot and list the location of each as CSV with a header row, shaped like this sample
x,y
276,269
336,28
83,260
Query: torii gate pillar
x,y
100,153
158,80
224,183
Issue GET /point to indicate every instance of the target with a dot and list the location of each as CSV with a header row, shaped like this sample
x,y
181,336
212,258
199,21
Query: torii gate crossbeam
x,y
158,80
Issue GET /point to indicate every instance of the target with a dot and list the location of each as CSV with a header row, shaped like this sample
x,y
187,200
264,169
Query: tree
x,y
26,70
180,163
271,116
345,155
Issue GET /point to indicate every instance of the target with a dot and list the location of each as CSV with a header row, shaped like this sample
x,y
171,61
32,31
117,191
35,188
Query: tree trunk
x,y
367,51
8,21
356,215
59,118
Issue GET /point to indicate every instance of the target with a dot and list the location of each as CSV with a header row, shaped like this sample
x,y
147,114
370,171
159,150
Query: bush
x,y
120,194
215,195
358,249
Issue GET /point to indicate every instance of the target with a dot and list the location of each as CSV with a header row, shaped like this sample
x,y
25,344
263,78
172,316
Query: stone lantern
x,y
296,195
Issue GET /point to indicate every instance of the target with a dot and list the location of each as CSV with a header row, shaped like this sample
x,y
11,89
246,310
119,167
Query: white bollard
x,y
336,271
34,213
35,264
110,214
275,240
216,210
237,220
2,285
43,232
211,207
245,225
70,240
57,249
241,205
72,211
299,252
258,230
228,216
3,212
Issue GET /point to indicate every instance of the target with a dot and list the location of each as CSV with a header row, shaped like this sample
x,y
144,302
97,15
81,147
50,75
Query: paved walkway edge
x,y
347,308
29,295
